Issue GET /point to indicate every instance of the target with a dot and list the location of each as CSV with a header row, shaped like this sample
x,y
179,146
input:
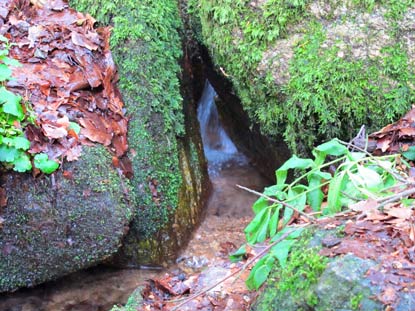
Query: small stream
x,y
228,212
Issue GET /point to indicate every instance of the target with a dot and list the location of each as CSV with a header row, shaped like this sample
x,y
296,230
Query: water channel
x,y
228,212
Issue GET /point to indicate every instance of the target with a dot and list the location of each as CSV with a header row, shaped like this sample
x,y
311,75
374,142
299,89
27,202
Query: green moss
x,y
293,285
55,226
327,95
146,46
330,96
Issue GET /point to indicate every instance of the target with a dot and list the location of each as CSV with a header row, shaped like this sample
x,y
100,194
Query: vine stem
x,y
310,218
246,265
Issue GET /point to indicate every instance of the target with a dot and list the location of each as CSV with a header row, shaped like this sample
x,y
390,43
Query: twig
x,y
395,197
246,265
397,176
310,218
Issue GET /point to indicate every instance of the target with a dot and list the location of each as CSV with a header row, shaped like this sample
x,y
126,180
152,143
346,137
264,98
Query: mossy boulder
x,y
312,70
55,225
170,176
310,281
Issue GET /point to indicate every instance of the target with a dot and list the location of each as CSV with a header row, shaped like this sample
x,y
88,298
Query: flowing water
x,y
228,212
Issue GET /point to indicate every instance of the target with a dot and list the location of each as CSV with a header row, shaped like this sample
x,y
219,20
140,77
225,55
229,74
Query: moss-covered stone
x,y
311,70
312,282
166,153
54,225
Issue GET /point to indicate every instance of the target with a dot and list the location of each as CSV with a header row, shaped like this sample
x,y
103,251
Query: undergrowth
x,y
358,177
15,115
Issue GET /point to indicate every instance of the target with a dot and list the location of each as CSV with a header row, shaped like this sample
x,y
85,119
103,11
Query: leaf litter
x,y
68,77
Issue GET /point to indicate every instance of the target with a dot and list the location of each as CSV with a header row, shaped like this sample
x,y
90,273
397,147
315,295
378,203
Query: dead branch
x,y
310,218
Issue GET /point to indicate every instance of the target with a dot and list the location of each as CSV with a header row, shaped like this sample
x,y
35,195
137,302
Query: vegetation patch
x,y
329,92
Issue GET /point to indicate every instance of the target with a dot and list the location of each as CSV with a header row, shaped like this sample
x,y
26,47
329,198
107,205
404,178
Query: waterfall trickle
x,y
218,147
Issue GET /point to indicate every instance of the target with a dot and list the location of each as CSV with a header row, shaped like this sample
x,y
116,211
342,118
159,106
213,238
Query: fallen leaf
x,y
399,212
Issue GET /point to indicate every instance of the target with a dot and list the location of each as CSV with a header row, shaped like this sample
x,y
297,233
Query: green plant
x,y
355,301
359,176
13,117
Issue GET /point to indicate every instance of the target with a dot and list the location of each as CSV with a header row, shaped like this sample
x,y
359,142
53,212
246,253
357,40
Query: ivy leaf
x,y
8,154
410,153
22,163
5,72
11,62
21,143
75,127
43,163
11,103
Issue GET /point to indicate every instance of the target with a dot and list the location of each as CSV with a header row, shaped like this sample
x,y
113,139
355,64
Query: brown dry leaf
x,y
53,130
364,206
399,212
383,143
38,3
388,296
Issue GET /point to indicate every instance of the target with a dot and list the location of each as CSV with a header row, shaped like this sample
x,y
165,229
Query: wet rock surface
x,y
54,225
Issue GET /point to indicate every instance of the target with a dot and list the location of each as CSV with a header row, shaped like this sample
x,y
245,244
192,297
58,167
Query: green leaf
x,y
239,254
293,163
296,198
11,103
372,180
315,197
75,127
18,142
11,62
294,233
260,272
263,229
410,153
281,250
273,223
332,147
22,163
259,205
42,162
5,73
252,229
356,156
8,154
334,195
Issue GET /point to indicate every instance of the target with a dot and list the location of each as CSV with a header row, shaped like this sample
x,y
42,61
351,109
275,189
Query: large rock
x,y
310,281
54,225
170,176
312,70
